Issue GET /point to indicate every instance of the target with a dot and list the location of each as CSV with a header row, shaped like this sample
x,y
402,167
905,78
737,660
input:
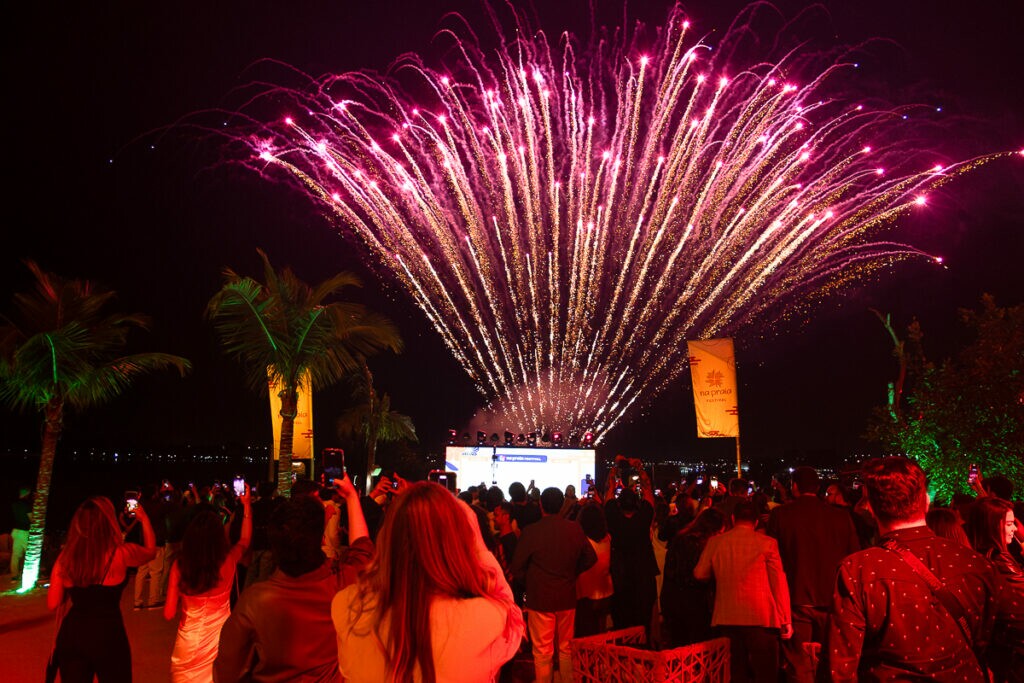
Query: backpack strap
x,y
945,597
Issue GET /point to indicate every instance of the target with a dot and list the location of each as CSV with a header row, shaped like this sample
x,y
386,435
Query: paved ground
x,y
27,632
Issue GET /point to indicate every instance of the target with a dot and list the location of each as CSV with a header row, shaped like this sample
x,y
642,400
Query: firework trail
x,y
567,218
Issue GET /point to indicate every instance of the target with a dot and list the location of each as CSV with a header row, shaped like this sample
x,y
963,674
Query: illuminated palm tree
x,y
372,421
62,351
283,330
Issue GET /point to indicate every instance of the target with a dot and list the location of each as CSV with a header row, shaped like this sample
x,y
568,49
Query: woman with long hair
x,y
990,528
202,575
945,523
92,570
686,603
433,605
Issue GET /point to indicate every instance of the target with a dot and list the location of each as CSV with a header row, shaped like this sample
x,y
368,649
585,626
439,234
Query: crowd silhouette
x,y
811,581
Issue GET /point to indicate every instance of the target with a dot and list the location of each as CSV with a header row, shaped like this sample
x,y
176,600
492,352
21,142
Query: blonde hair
x,y
425,549
92,540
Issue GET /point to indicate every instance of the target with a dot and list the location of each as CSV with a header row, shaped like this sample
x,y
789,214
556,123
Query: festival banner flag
x,y
713,369
302,437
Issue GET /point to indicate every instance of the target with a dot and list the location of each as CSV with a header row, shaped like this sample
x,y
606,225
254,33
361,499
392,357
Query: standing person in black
x,y
550,555
687,603
633,565
524,511
814,537
91,573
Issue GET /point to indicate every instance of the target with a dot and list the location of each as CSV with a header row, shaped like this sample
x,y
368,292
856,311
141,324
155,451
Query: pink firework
x,y
566,218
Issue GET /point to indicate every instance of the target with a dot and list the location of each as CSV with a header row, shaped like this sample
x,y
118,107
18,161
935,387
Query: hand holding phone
x,y
239,486
972,475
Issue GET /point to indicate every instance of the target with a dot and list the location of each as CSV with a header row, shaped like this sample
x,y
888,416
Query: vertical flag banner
x,y
713,369
302,439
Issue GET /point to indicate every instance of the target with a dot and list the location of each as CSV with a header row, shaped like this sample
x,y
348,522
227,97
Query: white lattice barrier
x,y
617,657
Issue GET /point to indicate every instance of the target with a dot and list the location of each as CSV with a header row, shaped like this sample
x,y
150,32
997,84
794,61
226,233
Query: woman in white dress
x,y
202,576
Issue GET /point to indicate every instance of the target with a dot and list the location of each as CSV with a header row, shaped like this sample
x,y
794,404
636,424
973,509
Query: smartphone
x,y
445,479
239,485
657,492
972,475
131,502
618,491
700,480
332,465
394,483
714,483
590,492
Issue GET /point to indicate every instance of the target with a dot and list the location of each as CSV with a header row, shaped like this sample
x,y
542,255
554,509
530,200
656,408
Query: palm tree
x,y
372,421
63,352
282,328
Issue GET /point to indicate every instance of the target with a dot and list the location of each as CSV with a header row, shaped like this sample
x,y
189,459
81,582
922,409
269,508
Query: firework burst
x,y
566,218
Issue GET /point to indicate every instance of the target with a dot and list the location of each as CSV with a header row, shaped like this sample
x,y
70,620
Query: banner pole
x,y
739,462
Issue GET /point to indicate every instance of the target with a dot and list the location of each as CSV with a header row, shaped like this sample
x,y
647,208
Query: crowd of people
x,y
809,581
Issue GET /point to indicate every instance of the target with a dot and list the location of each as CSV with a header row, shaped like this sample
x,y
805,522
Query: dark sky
x,y
90,195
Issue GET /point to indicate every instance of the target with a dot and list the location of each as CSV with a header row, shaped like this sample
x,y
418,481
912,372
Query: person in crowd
x,y
738,492
843,498
524,511
494,497
281,628
752,605
21,512
633,565
991,528
888,623
506,536
945,523
687,603
814,537
149,579
92,571
570,508
549,557
261,564
433,605
201,580
594,587
332,545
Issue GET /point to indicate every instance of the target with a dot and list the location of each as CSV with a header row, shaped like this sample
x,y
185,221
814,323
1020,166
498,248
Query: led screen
x,y
502,465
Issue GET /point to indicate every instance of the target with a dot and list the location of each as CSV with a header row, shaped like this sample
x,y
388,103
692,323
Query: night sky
x,y
90,193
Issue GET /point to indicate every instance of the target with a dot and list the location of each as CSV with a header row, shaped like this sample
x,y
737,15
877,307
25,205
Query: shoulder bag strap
x,y
938,589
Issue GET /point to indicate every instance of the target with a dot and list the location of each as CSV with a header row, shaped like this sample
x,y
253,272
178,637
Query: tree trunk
x,y
289,409
371,431
54,416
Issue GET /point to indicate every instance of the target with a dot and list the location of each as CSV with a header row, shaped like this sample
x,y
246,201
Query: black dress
x,y
686,603
92,639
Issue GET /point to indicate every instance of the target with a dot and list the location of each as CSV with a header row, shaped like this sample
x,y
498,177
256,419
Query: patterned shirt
x,y
887,624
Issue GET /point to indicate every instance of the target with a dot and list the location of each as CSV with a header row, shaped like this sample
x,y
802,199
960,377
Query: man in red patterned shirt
x,y
888,622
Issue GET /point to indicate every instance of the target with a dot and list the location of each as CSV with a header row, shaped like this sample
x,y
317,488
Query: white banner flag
x,y
713,369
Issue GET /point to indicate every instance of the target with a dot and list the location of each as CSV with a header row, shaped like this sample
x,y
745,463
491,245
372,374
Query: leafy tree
x,y
372,421
283,329
968,409
62,351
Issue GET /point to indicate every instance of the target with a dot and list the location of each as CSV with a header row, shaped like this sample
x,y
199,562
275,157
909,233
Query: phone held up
x,y
972,475
131,502
239,485
332,465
